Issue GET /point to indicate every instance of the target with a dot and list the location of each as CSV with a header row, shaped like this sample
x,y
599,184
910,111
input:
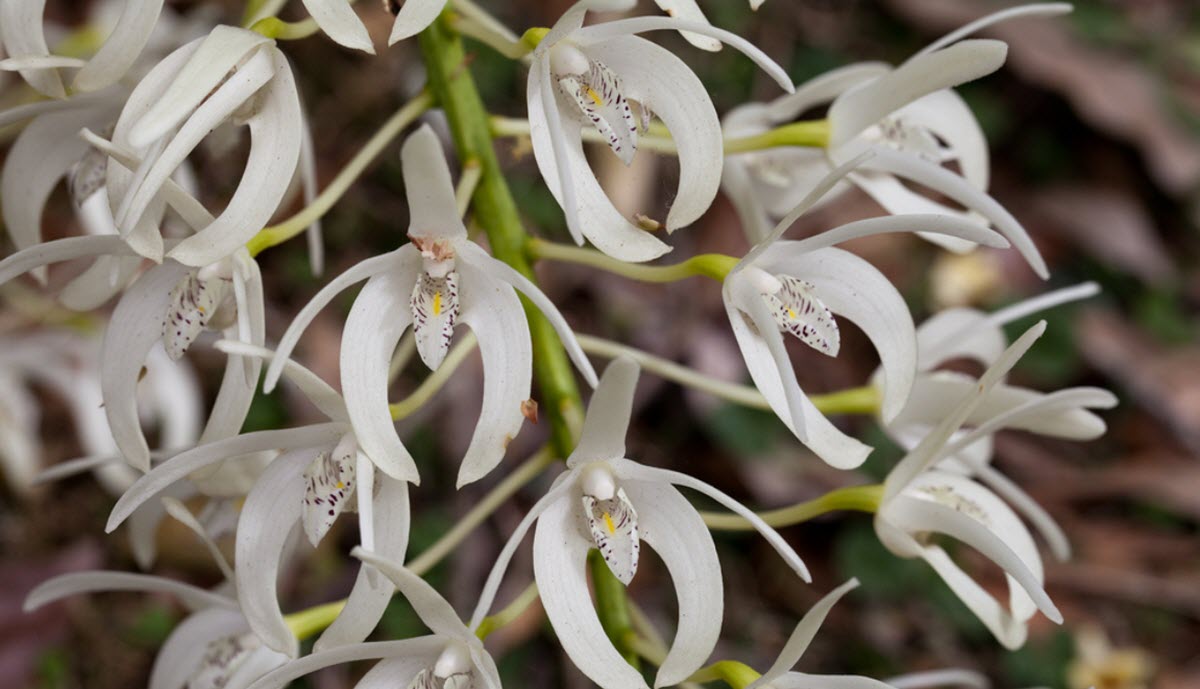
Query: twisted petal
x,y
121,48
560,568
404,659
376,322
674,529
414,17
429,605
338,20
607,420
91,582
803,635
371,592
23,36
268,517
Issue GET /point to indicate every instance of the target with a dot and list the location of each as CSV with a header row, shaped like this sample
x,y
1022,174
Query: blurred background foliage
x,y
1094,128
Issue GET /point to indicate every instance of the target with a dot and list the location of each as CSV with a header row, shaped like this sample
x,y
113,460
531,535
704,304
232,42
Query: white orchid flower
x,y
231,75
452,657
689,10
913,120
319,474
212,648
920,500
610,503
440,279
23,35
969,334
606,77
796,287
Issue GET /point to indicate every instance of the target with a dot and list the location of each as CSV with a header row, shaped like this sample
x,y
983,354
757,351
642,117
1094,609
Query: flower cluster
x,y
120,129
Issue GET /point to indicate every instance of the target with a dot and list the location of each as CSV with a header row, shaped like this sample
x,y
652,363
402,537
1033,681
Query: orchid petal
x,y
567,173
859,108
948,116
429,605
428,188
177,659
822,89
323,397
338,20
485,666
307,170
23,35
899,200
107,277
1036,412
405,260
58,251
74,583
269,515
40,63
1032,9
184,464
632,470
376,322
371,592
959,190
855,289
803,635
560,568
122,47
241,376
183,515
661,81
136,325
493,312
935,223
929,450
1027,507
414,17
415,653
607,420
937,678
800,680
674,529
688,10
957,333
144,521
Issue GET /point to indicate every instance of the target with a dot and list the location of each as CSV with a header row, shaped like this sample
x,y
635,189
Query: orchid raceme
x,y
606,77
230,76
610,503
921,500
909,115
966,333
433,283
796,287
316,473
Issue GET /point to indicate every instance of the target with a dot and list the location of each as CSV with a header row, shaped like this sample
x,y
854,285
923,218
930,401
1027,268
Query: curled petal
x,y
338,20
91,582
59,250
429,605
121,48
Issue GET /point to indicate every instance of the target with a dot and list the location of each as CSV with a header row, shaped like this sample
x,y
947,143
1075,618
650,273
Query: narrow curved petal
x,y
947,115
135,327
635,25
803,635
35,63
268,518
607,420
92,582
338,20
323,397
853,288
183,515
432,209
485,666
560,491
1031,9
240,379
929,450
933,223
957,333
180,655
493,312
183,464
144,521
414,17
560,568
571,20
418,653
1027,507
800,680
674,529
899,200
503,272
937,678
405,259
960,191
429,605
371,592
122,47
59,250
629,469
1037,410
208,60
823,89
379,317
23,35
859,108
689,10
558,150
107,277
307,170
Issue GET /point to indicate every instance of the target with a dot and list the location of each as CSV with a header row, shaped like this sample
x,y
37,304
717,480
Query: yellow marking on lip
x,y
791,314
340,485
608,522
437,303
591,93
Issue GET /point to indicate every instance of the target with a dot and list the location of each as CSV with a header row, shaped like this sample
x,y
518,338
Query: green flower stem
x,y
510,612
276,28
526,472
855,498
277,234
434,382
315,619
715,266
736,675
808,134
451,83
863,400
613,608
